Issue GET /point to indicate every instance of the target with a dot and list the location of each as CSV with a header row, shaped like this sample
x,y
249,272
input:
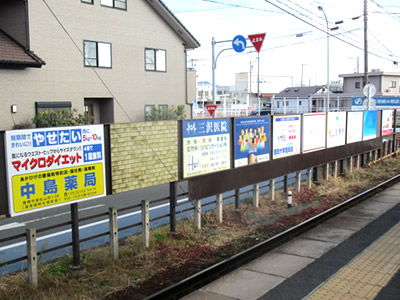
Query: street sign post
x,y
257,40
239,43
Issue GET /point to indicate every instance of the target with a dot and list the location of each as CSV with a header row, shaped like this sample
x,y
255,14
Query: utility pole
x,y
365,43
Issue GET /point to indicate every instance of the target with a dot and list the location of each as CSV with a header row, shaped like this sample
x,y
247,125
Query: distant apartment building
x,y
113,59
205,93
387,85
248,84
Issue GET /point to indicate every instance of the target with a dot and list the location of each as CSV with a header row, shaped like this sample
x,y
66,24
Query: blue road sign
x,y
239,43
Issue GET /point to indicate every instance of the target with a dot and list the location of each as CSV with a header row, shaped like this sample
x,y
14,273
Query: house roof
x,y
372,73
302,92
176,25
12,53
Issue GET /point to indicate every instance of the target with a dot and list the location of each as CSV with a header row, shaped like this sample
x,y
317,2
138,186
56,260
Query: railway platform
x,y
354,255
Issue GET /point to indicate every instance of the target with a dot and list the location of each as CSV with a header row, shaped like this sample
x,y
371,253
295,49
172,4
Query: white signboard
x,y
336,129
51,167
286,136
206,146
354,126
387,122
314,132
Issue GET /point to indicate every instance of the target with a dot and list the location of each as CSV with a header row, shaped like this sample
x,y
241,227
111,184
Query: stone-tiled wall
x,y
143,154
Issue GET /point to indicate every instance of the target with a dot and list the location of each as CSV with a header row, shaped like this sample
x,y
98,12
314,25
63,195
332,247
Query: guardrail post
x,y
384,146
315,174
272,189
76,256
285,183
219,208
357,162
32,256
326,171
335,169
237,198
350,165
113,226
309,178
197,214
146,223
173,196
298,181
256,195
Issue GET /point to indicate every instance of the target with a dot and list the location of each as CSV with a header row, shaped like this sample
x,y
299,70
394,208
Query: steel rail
x,y
216,271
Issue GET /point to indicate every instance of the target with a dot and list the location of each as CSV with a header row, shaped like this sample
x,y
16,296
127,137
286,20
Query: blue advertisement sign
x,y
380,102
370,124
252,136
206,146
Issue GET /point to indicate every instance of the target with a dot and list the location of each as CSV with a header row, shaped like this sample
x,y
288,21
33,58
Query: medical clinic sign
x,y
50,167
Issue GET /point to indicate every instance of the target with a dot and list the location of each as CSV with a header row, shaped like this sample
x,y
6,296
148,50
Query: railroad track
x,y
216,271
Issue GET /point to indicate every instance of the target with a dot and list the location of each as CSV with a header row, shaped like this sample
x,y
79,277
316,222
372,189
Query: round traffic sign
x,y
239,43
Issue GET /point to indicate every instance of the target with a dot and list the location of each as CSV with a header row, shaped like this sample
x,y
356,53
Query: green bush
x,y
170,113
60,118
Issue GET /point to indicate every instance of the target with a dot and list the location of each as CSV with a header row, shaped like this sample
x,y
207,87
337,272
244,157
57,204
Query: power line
x,y
344,41
241,6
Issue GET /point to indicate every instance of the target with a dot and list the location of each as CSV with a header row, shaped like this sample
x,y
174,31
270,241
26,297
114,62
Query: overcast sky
x,y
283,53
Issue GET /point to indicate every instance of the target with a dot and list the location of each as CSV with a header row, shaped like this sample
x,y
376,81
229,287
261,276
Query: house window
x,y
163,106
97,54
299,102
54,106
147,111
156,60
87,1
357,85
392,84
121,4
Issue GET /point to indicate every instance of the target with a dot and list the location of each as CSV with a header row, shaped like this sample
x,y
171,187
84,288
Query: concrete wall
x,y
143,154
64,77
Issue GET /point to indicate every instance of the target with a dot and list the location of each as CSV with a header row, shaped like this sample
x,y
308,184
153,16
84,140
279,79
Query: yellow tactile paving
x,y
366,274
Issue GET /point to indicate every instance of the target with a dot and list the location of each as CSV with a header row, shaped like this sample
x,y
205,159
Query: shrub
x,y
170,113
60,118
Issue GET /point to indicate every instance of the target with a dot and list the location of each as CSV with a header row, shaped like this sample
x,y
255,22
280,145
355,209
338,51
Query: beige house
x,y
114,59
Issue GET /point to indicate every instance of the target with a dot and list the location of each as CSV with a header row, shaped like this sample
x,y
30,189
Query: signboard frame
x,y
287,147
52,167
316,130
209,141
252,136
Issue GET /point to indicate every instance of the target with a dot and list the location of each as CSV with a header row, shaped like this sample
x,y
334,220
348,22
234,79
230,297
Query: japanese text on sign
x,y
51,166
206,146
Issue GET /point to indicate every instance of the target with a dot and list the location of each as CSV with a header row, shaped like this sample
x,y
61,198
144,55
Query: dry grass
x,y
172,257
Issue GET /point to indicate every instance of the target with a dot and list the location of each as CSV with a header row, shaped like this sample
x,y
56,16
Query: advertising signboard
x,y
50,167
314,132
336,129
370,124
380,102
251,140
206,146
354,126
286,136
387,122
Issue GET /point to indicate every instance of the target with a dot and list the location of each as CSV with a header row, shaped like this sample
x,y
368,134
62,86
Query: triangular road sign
x,y
211,108
257,40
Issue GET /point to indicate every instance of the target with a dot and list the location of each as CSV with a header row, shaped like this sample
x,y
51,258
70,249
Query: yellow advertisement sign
x,y
44,189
